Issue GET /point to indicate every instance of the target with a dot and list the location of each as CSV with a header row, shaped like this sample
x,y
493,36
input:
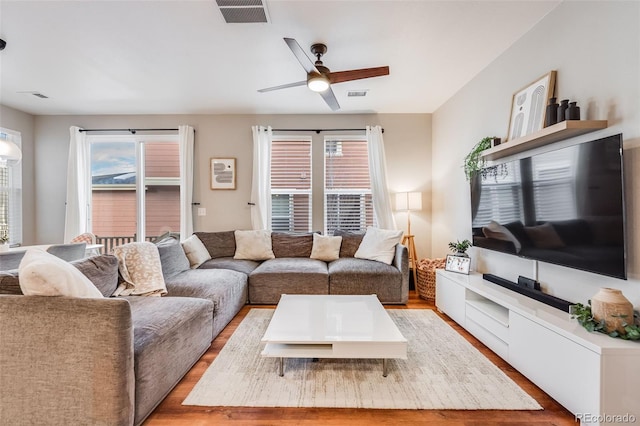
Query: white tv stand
x,y
596,377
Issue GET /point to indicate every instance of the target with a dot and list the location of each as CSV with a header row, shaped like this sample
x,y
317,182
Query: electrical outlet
x,y
202,211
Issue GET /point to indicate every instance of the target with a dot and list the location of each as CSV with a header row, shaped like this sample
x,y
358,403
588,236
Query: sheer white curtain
x,y
186,136
260,184
78,206
378,176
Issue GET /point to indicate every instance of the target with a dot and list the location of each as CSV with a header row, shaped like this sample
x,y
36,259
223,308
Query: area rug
x,y
443,371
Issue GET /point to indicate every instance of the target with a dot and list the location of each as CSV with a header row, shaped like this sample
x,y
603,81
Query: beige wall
x,y
595,47
407,141
24,123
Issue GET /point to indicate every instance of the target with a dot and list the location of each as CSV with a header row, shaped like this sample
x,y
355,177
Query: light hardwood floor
x,y
171,412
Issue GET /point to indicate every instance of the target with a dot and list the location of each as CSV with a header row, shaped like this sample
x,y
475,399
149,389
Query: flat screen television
x,y
564,207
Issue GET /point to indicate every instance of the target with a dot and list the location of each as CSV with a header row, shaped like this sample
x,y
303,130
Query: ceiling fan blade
x,y
284,86
304,60
330,98
342,76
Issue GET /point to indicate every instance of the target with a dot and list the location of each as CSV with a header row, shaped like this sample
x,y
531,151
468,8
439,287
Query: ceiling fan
x,y
320,78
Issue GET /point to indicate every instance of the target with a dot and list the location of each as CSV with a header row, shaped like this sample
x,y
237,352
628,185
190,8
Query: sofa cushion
x,y
226,289
172,257
379,245
101,270
139,265
326,247
219,244
195,250
239,265
361,276
291,244
350,242
288,275
253,245
43,274
170,335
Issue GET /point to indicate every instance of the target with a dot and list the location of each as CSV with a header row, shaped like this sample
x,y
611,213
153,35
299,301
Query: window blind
x,y
348,202
291,185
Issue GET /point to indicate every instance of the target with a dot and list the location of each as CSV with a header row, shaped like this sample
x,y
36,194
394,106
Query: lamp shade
x,y
408,201
10,154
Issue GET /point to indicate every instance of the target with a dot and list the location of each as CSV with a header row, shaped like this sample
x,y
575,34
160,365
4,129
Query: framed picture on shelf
x,y
223,173
458,264
529,105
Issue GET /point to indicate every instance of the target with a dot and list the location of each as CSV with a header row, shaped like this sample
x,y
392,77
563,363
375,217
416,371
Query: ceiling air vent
x,y
356,93
36,94
243,11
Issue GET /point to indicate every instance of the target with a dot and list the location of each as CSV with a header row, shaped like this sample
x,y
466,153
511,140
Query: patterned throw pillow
x,y
139,265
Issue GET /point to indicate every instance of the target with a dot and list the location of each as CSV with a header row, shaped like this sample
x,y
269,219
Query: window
x,y
11,192
291,184
124,209
347,187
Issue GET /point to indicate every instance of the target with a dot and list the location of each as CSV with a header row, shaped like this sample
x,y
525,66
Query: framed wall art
x,y
460,264
223,173
528,106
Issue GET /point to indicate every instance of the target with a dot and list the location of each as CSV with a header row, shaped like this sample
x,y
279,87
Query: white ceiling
x,y
165,57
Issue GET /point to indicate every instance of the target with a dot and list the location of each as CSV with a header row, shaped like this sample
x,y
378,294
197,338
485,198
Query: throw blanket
x,y
139,265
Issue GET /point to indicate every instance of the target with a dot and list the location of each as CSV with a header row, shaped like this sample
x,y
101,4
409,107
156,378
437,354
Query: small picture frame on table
x,y
223,173
459,264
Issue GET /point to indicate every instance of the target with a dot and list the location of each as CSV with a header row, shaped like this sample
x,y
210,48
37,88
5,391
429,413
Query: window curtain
x,y
78,205
378,175
260,184
186,136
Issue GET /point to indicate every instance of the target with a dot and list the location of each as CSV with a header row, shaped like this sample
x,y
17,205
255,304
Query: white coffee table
x,y
332,326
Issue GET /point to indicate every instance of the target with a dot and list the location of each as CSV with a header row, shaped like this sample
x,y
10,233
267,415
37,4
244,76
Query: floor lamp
x,y
410,201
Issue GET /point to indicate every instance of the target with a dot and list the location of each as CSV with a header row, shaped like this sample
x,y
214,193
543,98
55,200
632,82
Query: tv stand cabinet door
x,y
450,299
567,371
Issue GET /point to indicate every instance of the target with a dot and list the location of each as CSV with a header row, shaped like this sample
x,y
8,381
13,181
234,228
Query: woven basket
x,y
426,284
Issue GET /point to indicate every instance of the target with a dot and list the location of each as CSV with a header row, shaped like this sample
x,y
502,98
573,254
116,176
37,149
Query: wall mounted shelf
x,y
560,131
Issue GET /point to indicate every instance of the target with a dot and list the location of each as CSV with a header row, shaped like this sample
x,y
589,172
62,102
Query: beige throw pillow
x,y
139,265
43,274
379,244
253,245
325,247
196,251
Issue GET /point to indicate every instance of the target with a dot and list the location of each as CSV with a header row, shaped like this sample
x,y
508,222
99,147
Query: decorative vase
x,y
611,305
573,111
551,116
564,104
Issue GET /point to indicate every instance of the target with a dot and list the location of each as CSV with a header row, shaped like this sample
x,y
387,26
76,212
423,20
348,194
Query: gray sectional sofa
x,y
111,361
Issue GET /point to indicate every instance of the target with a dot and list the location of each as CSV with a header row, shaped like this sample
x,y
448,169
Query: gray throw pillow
x,y
219,244
350,242
172,257
101,270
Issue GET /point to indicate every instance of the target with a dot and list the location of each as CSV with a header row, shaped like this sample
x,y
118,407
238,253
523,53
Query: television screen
x,y
564,207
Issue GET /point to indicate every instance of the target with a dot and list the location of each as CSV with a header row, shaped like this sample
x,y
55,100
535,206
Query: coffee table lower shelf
x,y
343,350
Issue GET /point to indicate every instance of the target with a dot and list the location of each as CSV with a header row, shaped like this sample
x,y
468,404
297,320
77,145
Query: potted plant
x,y
460,247
474,162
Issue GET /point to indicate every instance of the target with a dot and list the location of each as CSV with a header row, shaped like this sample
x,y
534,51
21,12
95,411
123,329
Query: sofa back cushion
x,y
219,244
291,244
172,257
101,270
350,242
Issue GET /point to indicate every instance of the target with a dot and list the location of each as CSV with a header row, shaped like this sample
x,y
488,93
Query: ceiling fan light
x,y
317,83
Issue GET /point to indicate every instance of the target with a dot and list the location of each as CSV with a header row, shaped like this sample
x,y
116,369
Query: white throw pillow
x,y
496,231
139,265
196,251
253,245
326,247
379,244
43,274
